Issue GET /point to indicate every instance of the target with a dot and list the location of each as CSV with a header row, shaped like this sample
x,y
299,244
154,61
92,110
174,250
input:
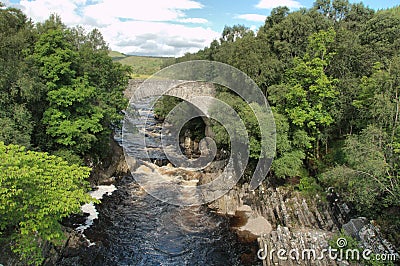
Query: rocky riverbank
x,y
282,218
279,218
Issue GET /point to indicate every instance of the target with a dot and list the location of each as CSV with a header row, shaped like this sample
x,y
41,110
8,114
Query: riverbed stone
x,y
257,226
144,169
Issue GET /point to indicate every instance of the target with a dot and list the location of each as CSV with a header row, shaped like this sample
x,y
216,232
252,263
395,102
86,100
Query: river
x,y
134,228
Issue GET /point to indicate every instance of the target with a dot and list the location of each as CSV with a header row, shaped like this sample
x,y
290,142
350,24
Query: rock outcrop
x,y
281,218
288,220
369,236
112,167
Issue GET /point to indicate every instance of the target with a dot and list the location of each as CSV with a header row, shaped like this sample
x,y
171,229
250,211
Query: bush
x,y
37,190
309,186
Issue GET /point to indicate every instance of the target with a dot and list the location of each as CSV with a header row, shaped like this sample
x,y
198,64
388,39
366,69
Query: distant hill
x,y
116,55
142,66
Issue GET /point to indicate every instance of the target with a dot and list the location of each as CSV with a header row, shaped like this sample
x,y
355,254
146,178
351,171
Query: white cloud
x,y
269,4
157,38
252,17
149,27
148,10
40,10
194,20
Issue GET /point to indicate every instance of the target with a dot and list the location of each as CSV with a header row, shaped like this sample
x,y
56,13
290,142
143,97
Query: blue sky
x,y
162,27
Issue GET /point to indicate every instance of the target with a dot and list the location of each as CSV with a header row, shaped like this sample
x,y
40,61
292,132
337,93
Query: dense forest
x,y
331,74
61,95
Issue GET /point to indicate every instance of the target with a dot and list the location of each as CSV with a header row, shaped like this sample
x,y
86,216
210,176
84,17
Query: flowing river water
x,y
134,228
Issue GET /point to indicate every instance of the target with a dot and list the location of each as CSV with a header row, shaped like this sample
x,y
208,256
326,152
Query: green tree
x,y
84,89
309,94
366,179
164,106
37,191
110,79
381,32
289,38
378,97
16,85
246,114
290,149
231,34
277,15
357,16
71,118
335,10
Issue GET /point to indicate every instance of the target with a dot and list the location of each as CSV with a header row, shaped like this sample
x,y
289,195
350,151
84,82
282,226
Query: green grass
x,y
142,66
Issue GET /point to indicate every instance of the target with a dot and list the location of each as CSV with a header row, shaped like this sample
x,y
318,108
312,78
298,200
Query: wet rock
x,y
144,169
215,167
112,167
353,227
107,181
186,175
369,236
74,220
257,226
73,245
278,218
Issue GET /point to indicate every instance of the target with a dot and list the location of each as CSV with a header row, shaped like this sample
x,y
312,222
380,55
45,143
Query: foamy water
x,y
91,209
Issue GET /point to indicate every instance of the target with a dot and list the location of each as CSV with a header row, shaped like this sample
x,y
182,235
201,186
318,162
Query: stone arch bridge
x,y
186,90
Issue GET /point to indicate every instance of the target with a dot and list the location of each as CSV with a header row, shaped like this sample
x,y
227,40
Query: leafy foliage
x,y
309,186
15,39
365,179
165,105
60,93
83,98
353,244
60,89
309,94
37,190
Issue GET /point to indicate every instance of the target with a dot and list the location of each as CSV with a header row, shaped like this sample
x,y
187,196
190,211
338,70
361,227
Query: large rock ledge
x,y
280,218
248,224
112,167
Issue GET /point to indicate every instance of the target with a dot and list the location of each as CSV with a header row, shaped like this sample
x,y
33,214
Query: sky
x,y
162,27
